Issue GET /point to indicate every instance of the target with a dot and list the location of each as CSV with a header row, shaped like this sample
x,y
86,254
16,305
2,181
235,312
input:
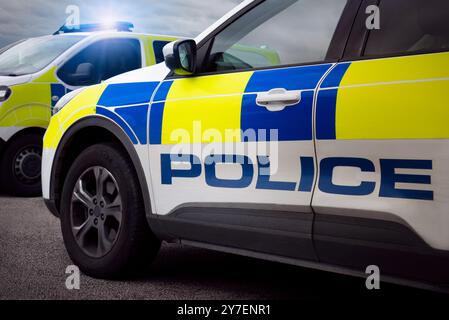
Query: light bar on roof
x,y
92,27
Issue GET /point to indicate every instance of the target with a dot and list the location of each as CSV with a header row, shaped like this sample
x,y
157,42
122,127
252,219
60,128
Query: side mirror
x,y
84,74
180,57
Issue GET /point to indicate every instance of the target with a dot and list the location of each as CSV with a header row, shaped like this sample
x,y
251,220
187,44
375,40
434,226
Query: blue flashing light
x,y
92,27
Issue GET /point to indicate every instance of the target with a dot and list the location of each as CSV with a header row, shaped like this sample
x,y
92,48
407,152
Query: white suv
x,y
287,131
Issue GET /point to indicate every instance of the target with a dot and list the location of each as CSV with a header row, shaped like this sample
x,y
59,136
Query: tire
x,y
21,166
129,245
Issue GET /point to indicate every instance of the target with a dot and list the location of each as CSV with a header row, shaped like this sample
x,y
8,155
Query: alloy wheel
x,y
96,211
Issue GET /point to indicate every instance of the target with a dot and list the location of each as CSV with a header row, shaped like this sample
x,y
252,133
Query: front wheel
x,y
103,217
21,166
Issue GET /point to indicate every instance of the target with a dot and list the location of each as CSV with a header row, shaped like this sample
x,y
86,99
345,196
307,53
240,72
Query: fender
x,y
120,135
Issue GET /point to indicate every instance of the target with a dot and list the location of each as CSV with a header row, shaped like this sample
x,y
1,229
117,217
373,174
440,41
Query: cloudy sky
x,y
24,18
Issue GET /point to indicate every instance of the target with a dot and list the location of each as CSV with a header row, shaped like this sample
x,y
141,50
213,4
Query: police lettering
x,y
259,170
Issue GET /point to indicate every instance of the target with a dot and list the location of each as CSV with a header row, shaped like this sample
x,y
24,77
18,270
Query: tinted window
x,y
157,47
410,26
277,32
102,60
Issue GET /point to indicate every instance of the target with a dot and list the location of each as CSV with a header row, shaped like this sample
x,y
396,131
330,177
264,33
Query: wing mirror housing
x,y
180,57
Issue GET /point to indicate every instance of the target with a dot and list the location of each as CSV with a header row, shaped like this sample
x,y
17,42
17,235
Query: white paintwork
x,y
195,190
222,20
48,156
13,81
7,132
154,73
430,219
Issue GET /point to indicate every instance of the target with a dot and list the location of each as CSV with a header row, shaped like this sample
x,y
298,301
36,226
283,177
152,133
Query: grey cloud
x,y
24,19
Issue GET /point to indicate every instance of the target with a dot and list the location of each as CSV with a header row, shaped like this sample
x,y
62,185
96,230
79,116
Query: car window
x,y
33,55
277,32
158,45
100,61
408,26
122,55
12,45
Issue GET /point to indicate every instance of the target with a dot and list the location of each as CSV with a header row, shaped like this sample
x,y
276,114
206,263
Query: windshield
x,y
10,46
34,54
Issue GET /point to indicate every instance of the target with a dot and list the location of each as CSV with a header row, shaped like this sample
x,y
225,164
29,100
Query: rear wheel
x,y
21,166
103,217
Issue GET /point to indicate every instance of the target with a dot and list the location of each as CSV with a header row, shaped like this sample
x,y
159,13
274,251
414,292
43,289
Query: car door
x,y
382,130
242,127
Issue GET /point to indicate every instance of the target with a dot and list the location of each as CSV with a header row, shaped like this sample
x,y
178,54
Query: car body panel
x,y
391,110
219,112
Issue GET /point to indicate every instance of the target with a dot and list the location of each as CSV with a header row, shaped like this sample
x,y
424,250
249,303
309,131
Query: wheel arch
x,y
29,130
5,147
82,134
4,144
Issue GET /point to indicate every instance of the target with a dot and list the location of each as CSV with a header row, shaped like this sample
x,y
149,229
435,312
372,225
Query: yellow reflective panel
x,y
401,111
48,77
83,105
427,66
197,87
149,48
53,134
29,103
204,109
397,98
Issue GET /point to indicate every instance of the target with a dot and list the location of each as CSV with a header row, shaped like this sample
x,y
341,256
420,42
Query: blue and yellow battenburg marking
x,y
393,98
130,103
227,102
217,102
125,104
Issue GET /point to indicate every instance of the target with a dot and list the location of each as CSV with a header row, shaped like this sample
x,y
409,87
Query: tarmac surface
x,y
33,262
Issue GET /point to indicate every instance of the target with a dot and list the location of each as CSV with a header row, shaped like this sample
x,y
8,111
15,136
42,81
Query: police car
x,y
35,73
334,156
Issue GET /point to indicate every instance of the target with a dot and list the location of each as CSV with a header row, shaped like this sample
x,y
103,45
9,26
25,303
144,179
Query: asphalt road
x,y
33,263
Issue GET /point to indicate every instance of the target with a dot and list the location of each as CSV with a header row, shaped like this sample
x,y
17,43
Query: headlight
x,y
64,100
5,92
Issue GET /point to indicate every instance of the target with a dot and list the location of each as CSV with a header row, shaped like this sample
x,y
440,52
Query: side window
x,y
122,55
277,32
158,45
408,26
100,61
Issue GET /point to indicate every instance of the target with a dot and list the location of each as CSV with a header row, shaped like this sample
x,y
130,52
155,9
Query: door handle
x,y
278,99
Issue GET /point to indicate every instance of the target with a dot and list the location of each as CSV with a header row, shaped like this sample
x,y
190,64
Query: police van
x,y
334,155
35,73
